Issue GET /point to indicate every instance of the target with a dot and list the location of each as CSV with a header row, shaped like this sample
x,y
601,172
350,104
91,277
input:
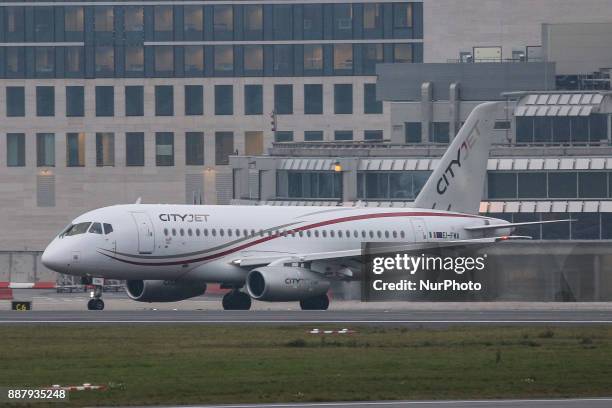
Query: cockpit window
x,y
77,229
108,229
96,228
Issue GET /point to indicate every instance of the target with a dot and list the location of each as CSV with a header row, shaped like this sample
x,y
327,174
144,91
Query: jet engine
x,y
163,291
284,284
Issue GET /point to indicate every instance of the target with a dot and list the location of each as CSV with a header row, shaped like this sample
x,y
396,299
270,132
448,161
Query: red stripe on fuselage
x,y
298,229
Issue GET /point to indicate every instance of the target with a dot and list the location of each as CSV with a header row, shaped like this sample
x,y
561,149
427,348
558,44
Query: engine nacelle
x,y
284,284
163,291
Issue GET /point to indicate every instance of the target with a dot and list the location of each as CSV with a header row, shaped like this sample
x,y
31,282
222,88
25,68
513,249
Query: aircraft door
x,y
146,234
420,230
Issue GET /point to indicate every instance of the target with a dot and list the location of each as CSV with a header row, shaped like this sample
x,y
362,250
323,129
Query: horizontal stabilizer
x,y
512,225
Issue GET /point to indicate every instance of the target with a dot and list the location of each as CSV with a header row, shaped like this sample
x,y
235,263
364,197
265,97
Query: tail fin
x,y
457,182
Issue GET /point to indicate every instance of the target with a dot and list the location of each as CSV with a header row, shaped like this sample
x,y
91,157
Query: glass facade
x,y
114,38
309,185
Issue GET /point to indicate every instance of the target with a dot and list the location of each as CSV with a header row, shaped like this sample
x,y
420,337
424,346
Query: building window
x,y
163,19
313,99
313,136
283,136
223,20
15,22
372,55
15,149
402,53
134,100
105,149
105,60
194,21
313,21
402,15
224,59
343,98
372,17
164,149
532,185
224,100
15,101
439,132
134,19
43,24
309,184
73,61
45,61
45,101
412,132
391,185
45,149
253,19
134,60
73,21
373,135
283,99
592,184
105,101
283,60
194,59
15,61
313,58
282,16
75,149
103,19
164,59
253,99
343,21
562,184
164,100
501,185
134,149
194,148
370,104
224,147
253,58
194,100
343,57
343,135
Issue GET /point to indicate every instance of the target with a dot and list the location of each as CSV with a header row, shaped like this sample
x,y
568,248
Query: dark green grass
x,y
183,364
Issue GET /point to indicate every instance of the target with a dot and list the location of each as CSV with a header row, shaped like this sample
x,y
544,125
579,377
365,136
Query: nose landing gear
x,y
96,302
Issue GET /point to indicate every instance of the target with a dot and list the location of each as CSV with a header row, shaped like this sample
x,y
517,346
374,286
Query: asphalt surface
x,y
374,317
535,403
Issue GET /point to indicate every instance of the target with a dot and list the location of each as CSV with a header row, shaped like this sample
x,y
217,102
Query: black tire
x,y
90,304
99,304
236,300
315,303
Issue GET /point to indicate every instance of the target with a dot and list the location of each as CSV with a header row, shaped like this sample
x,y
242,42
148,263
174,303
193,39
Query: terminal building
x,y
230,101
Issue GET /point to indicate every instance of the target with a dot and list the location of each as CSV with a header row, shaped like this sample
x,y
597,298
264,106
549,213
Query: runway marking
x,y
321,321
384,403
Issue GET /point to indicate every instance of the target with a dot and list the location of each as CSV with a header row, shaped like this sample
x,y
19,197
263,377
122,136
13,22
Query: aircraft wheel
x,y
236,300
315,303
95,304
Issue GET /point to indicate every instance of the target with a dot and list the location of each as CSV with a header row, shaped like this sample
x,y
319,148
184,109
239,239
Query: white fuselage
x,y
201,242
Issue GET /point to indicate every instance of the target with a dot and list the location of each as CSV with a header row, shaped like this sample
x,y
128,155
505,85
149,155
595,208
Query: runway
x,y
532,403
417,318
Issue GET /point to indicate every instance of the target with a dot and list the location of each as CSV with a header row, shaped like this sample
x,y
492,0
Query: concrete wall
x,y
451,26
26,226
578,48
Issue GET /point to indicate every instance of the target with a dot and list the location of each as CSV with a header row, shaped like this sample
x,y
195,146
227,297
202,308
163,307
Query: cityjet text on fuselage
x,y
184,217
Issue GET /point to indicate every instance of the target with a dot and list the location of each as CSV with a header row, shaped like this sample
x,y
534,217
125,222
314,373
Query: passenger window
x,y
229,232
324,234
205,232
378,234
107,229
221,232
197,232
386,234
363,233
174,232
238,232
348,234
339,233
214,232
308,234
371,234
166,231
402,234
332,233
182,232
96,228
316,233
394,234
301,233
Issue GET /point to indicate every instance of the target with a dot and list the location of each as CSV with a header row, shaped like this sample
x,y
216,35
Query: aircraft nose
x,y
52,259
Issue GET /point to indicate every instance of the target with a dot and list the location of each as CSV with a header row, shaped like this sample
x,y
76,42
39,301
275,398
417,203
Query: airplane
x,y
168,253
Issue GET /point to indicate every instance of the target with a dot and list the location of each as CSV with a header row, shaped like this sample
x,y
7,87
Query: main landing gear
x,y
96,302
236,300
315,303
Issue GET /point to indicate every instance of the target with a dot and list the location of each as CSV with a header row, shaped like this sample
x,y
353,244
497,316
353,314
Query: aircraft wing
x,y
255,259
